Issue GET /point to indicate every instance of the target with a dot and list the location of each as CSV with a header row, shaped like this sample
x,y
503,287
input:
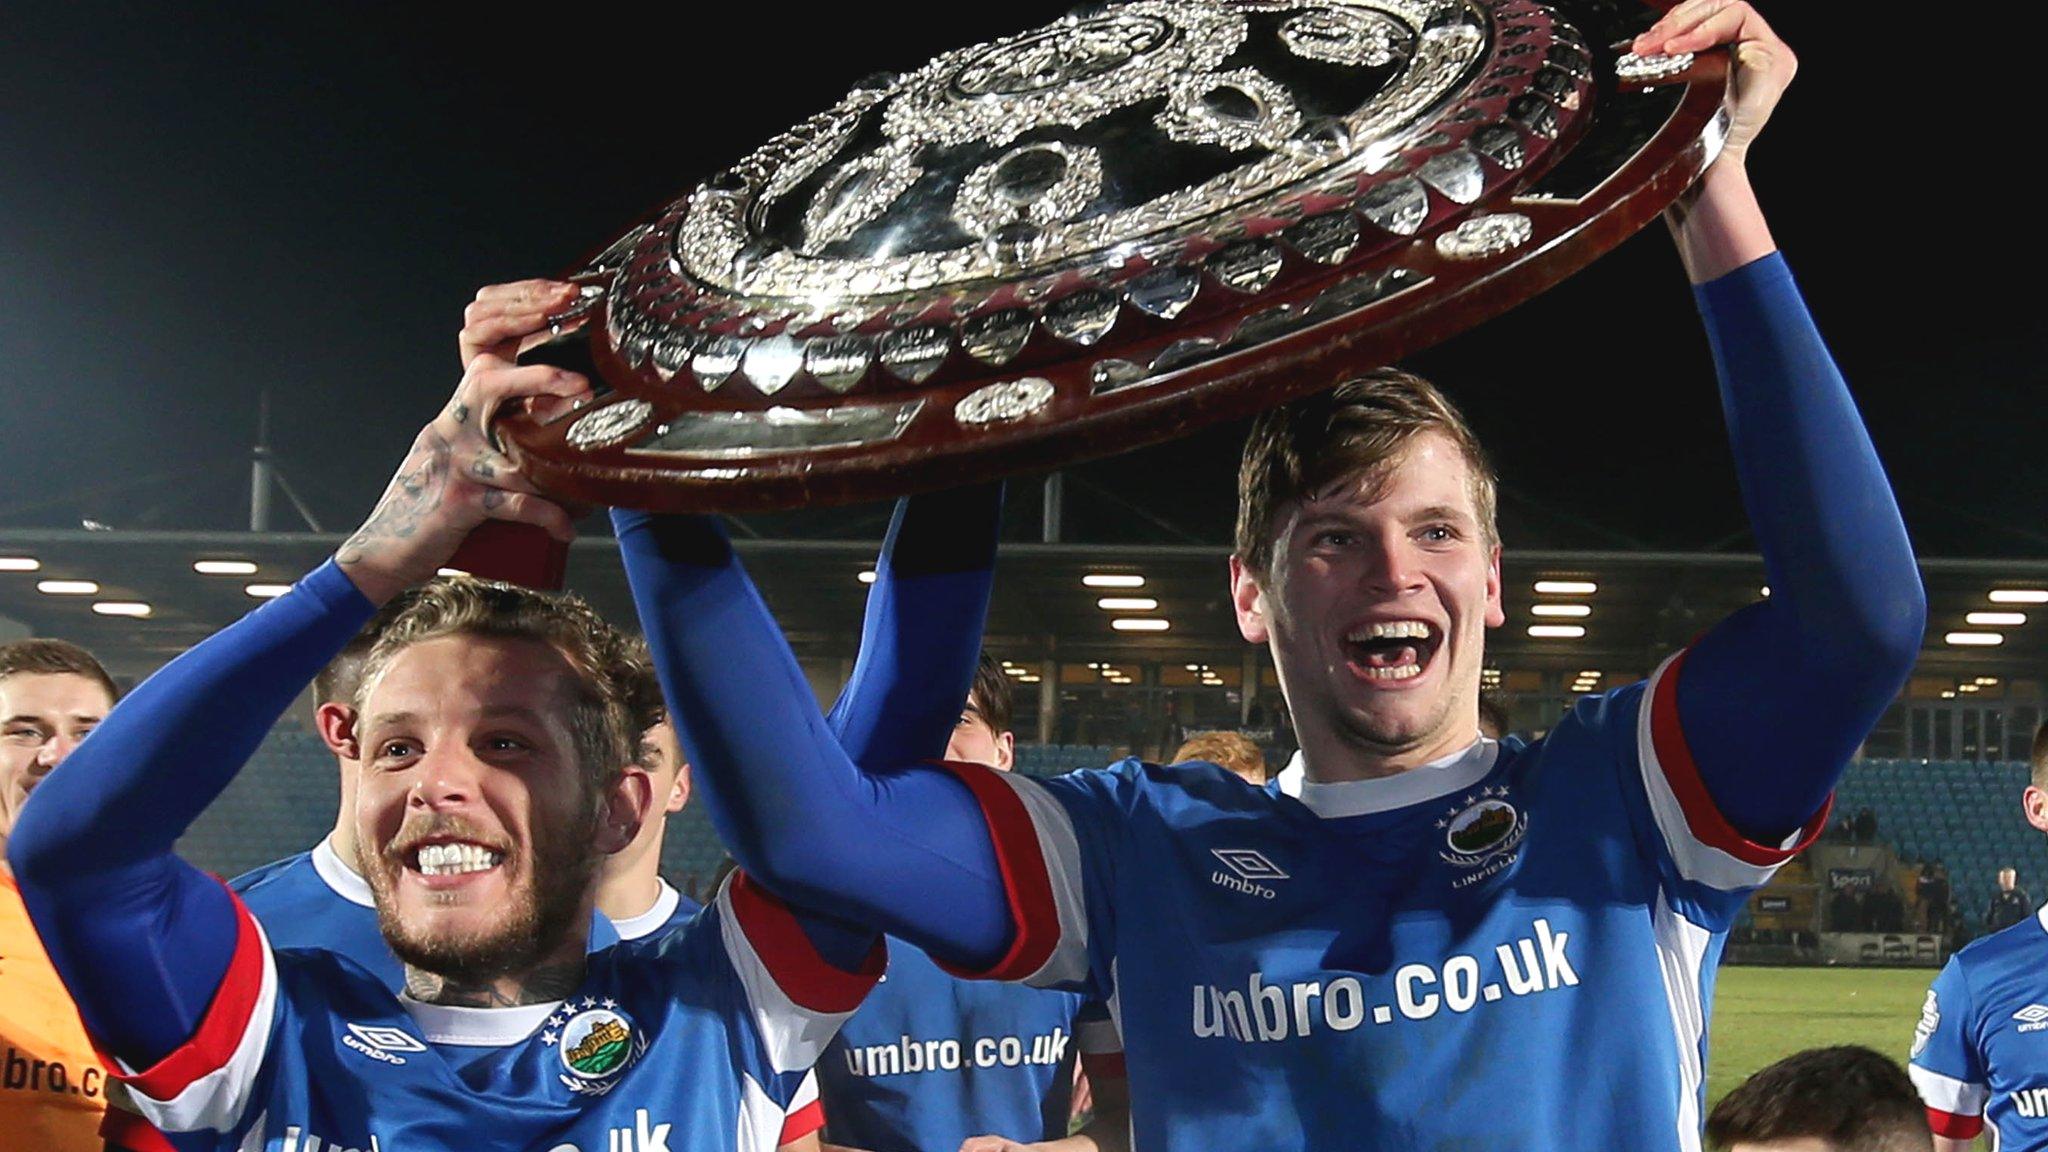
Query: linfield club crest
x,y
596,1043
1485,827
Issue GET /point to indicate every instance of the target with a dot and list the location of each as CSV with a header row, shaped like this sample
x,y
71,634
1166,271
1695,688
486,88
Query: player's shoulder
x,y
1188,790
291,871
2023,946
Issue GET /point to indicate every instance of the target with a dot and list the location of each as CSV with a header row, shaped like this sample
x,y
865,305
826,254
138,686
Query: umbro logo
x,y
1248,864
2032,1018
1247,868
381,1044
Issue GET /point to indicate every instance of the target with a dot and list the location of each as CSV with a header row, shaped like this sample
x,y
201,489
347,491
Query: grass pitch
x,y
1764,1014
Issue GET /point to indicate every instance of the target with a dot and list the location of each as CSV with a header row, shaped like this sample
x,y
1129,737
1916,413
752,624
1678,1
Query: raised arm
x,y
901,847
1775,699
142,939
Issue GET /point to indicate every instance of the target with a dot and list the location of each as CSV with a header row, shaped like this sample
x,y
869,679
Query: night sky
x,y
198,205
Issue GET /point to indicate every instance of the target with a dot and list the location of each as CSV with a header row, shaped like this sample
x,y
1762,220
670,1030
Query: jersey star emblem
x,y
547,1037
1471,799
588,1002
1443,823
608,1002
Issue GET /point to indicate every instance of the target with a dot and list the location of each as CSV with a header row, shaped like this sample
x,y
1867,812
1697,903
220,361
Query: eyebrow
x,y
38,718
495,712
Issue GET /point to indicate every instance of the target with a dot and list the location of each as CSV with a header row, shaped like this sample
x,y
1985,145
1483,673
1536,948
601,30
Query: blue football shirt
x,y
692,1041
931,1059
1513,948
1980,1052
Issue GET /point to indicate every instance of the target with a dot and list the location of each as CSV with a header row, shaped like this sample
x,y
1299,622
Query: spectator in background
x,y
52,694
2009,905
1847,1099
1866,827
1932,891
1233,751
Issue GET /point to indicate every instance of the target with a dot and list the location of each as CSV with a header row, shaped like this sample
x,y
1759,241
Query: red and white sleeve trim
x,y
806,1112
125,1131
1707,849
1955,1108
791,989
1040,860
1950,1126
206,1083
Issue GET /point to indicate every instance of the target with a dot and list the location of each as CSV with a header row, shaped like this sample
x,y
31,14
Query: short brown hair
x,y
1357,428
2039,755
1852,1097
46,657
338,682
1234,751
992,698
615,689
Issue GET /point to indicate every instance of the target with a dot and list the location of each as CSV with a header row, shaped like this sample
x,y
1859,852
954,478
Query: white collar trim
x,y
477,1027
346,882
665,904
2042,916
1453,773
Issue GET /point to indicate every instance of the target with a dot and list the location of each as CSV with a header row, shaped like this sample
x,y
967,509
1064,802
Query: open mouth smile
x,y
1391,651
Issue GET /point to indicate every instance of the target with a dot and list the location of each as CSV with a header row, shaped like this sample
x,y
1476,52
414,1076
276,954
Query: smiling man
x,y
52,1087
1447,941
498,732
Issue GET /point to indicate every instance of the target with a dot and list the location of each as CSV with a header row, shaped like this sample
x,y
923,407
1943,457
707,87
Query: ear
x,y
626,807
2035,802
679,795
337,726
1249,602
1496,612
1006,750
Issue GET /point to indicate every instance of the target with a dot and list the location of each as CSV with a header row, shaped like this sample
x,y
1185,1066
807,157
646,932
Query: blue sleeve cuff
x,y
1764,281
336,592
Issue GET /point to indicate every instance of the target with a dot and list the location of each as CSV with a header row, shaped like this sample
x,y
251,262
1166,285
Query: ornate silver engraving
x,y
771,364
1398,206
1348,36
1359,291
1248,266
718,359
672,354
855,195
997,337
1630,68
1038,185
1502,145
838,362
1260,327
1114,375
1456,174
1067,74
1325,239
740,435
1484,236
1003,402
1164,292
913,354
604,427
1082,318
1236,110
1078,59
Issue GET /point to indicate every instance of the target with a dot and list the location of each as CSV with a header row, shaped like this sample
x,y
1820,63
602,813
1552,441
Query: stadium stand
x,y
1056,759
1965,814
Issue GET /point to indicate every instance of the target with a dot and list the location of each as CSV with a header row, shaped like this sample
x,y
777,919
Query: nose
x,y
54,750
445,777
1392,564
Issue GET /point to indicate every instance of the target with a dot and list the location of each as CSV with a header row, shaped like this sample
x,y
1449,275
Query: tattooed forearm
x,y
413,493
459,412
543,984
